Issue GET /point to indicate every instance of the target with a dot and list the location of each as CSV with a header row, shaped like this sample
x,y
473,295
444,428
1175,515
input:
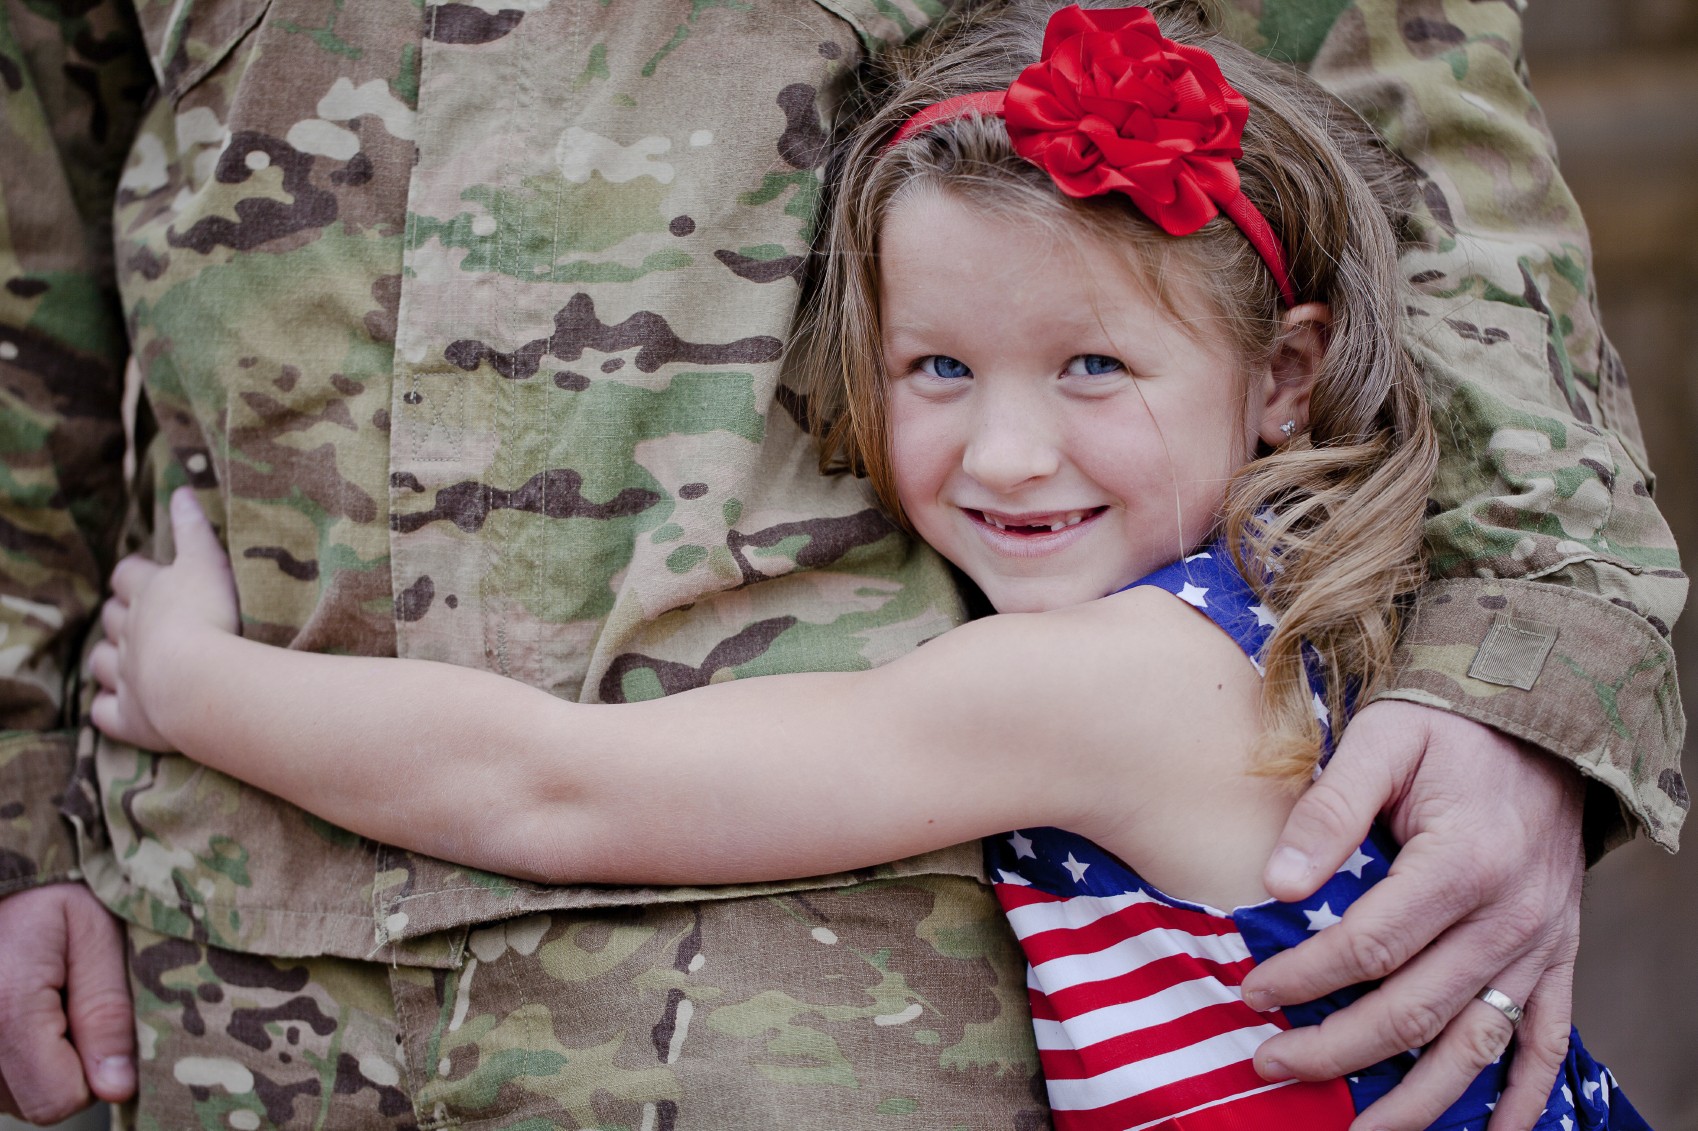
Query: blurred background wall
x,y
1619,83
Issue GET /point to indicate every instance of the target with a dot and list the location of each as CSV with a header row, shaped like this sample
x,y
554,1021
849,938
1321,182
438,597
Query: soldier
x,y
465,324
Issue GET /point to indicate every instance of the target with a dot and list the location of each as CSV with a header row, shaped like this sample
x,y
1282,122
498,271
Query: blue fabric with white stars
x,y
1585,1096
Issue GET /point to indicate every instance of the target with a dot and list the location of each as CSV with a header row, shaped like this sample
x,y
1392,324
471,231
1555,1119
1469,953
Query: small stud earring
x,y
1288,428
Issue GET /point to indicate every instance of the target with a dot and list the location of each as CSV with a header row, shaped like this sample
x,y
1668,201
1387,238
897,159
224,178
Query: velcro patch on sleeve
x,y
1513,653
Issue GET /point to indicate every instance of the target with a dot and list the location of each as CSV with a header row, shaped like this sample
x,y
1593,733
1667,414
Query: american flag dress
x,y
1135,997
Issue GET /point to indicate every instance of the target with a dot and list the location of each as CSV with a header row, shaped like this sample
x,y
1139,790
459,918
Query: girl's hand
x,y
153,618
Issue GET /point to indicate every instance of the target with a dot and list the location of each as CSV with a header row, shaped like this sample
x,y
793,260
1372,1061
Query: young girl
x,y
1114,328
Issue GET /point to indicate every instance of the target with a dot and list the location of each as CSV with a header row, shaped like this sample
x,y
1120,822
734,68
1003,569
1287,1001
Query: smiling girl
x,y
1108,330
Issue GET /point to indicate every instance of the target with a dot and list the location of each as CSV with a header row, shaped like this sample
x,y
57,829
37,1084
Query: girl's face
x,y
1054,433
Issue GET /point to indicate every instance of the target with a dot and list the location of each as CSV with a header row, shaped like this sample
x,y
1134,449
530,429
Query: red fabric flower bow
x,y
1112,105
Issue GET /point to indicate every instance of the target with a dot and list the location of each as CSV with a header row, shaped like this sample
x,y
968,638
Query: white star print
x,y
1192,595
1322,919
1077,869
1022,847
1567,1095
1321,711
1358,860
1567,1124
1590,1088
1264,619
1014,878
1200,556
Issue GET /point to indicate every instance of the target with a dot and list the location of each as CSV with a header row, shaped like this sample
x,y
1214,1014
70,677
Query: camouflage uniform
x,y
463,319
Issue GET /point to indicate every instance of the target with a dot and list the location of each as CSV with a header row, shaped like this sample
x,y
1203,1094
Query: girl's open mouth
x,y
1034,525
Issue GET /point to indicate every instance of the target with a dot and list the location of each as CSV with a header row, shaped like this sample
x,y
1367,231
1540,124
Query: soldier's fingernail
x,y
115,1075
1288,867
1273,1071
1262,1001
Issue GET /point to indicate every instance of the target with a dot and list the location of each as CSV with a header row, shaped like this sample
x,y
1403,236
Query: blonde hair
x,y
1334,517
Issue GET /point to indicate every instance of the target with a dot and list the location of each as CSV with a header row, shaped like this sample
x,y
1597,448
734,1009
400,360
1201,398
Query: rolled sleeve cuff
x,y
1587,680
37,844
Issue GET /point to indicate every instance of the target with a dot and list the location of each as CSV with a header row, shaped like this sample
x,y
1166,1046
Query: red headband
x,y
1112,105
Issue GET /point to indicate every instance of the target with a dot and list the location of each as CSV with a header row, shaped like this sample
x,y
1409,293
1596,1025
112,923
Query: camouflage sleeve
x,y
1555,580
70,86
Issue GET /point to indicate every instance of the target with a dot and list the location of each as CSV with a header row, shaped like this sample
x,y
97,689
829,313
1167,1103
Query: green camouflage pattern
x,y
463,318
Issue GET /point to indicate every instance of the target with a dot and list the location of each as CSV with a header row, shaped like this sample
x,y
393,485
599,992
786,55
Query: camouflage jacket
x,y
463,318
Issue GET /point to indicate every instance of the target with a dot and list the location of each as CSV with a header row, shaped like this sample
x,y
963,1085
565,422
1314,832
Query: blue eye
x,y
1094,365
941,365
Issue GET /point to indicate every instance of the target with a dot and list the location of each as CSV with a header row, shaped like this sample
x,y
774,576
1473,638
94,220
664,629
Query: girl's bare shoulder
x,y
1125,660
1134,629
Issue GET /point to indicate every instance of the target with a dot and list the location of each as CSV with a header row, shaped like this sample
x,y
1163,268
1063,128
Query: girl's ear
x,y
1292,371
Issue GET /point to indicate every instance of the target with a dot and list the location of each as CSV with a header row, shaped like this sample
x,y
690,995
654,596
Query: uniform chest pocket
x,y
186,39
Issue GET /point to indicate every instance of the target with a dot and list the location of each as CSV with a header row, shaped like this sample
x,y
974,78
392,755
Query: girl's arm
x,y
1004,723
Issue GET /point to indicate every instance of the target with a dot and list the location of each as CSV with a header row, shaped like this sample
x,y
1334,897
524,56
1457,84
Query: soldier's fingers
x,y
1474,1040
1541,1046
130,575
97,1001
1333,815
1407,1011
41,1070
1380,932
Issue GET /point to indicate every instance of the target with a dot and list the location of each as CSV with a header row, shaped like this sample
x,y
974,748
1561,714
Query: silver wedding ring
x,y
1503,1003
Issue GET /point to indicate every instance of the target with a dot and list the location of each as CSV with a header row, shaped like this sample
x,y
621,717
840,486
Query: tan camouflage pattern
x,y
1543,476
463,318
410,476
535,1028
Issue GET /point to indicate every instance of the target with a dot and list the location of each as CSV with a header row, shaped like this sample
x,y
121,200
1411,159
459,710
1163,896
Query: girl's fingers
x,y
107,717
103,665
112,718
104,715
113,614
131,575
197,541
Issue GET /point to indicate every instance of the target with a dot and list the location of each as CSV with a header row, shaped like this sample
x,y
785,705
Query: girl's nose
x,y
1011,443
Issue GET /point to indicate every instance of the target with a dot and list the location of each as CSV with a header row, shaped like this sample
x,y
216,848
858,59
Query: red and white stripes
x,y
1140,1023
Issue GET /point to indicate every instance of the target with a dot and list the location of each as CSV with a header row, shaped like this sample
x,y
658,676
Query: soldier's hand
x,y
155,613
1485,892
67,1031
